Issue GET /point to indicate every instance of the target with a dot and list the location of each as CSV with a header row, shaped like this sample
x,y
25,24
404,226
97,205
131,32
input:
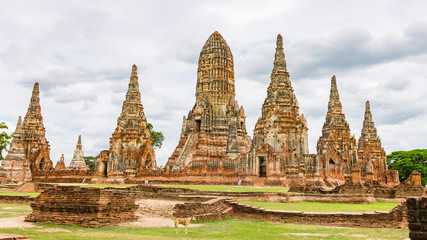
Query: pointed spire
x,y
19,121
216,35
334,104
279,56
18,124
34,107
368,128
133,93
79,142
134,70
368,114
62,158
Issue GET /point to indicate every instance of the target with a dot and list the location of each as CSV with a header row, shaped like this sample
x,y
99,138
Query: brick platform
x,y
86,207
417,217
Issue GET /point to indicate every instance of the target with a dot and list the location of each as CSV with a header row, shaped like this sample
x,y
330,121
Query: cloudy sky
x,y
81,53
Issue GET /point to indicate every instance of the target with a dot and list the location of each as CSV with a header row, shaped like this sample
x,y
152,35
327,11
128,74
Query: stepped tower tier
x,y
131,147
78,161
372,157
280,139
336,147
29,149
213,136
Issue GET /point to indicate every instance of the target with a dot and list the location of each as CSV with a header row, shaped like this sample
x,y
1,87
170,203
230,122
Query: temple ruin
x,y
372,157
280,142
131,146
214,147
213,137
78,162
336,148
29,149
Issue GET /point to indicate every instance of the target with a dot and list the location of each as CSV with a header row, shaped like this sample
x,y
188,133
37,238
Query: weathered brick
x,y
412,203
87,207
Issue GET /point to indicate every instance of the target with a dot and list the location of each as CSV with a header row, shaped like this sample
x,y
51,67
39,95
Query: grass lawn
x,y
225,229
324,207
222,188
8,210
100,185
32,194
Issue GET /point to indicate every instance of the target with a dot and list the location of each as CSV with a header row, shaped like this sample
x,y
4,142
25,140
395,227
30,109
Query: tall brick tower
x,y
131,147
213,136
29,150
336,147
371,155
280,135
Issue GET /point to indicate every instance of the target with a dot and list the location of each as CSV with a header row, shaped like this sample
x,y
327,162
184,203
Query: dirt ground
x,y
15,222
151,213
155,213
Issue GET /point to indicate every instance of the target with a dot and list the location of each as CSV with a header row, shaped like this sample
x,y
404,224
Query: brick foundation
x,y
16,199
86,207
395,218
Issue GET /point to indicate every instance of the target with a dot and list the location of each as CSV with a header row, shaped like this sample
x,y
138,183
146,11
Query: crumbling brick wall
x,y
86,207
213,209
395,218
417,217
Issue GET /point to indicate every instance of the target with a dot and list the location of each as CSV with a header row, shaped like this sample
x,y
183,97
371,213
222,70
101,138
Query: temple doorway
x,y
198,125
42,164
105,170
262,166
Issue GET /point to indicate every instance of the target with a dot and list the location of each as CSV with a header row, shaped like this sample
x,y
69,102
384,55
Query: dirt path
x,y
155,213
15,222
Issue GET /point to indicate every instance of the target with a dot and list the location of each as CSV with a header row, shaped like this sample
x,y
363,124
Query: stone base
x,y
86,207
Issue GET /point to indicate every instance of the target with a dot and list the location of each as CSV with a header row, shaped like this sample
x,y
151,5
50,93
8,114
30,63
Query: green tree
x,y
157,137
407,162
4,139
90,162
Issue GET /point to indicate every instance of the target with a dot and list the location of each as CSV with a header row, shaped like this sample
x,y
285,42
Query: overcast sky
x,y
81,53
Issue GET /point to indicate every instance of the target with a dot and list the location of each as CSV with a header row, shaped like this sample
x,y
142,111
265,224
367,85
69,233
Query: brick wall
x,y
86,207
417,217
213,209
395,218
68,176
16,199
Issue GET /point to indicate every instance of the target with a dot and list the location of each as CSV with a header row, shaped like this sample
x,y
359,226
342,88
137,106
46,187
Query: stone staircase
x,y
181,161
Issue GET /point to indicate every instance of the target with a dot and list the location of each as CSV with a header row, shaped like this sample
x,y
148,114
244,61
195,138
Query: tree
x,y
90,162
407,162
4,139
157,137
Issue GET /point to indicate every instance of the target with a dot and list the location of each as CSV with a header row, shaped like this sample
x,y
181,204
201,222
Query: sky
x,y
82,52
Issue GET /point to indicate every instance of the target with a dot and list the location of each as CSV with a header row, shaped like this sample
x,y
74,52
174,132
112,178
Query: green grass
x,y
101,185
225,229
32,194
221,188
324,207
8,210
